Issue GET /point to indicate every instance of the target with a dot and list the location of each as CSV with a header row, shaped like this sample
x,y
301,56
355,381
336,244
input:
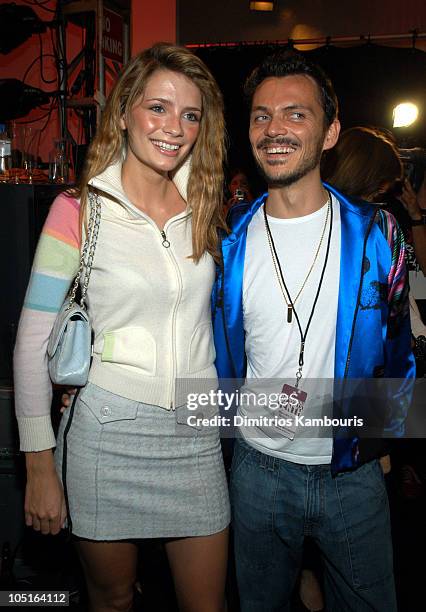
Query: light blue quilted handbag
x,y
69,350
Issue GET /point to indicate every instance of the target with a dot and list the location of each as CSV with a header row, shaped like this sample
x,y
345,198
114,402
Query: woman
x,y
364,163
134,469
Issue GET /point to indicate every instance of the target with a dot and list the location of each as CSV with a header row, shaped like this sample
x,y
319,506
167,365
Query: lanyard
x,y
304,334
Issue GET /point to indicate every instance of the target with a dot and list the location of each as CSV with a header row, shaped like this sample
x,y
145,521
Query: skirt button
x,y
105,411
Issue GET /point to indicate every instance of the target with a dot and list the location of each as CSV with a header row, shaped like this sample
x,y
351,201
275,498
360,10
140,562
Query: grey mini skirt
x,y
134,471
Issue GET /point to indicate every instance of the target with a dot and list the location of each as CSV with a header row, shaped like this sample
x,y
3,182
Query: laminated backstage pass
x,y
292,403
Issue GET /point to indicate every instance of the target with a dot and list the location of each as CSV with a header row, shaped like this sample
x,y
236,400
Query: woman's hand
x,y
408,199
45,508
385,463
413,204
66,399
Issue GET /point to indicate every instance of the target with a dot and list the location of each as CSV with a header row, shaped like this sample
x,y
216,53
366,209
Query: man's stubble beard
x,y
287,179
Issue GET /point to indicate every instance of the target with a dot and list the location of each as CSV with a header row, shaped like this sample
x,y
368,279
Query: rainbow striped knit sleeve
x,y
55,265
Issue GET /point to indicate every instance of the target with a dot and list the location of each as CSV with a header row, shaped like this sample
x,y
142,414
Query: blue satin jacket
x,y
373,327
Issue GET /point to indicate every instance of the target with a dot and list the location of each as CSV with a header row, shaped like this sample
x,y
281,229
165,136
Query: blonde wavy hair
x,y
205,185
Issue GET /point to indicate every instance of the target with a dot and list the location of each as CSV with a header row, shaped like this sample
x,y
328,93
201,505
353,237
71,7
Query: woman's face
x,y
164,124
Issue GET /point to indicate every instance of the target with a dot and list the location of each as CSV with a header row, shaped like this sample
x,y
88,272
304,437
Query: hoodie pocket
x,y
201,349
131,346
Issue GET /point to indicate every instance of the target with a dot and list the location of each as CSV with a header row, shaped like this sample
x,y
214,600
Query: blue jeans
x,y
277,503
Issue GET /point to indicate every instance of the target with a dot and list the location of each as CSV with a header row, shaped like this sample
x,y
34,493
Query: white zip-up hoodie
x,y
149,303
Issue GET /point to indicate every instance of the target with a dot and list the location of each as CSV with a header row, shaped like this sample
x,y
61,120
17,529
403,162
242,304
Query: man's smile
x,y
273,150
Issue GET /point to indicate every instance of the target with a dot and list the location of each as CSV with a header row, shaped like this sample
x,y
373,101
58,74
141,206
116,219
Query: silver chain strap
x,y
86,258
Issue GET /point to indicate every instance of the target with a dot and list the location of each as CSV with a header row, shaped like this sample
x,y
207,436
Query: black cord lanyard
x,y
302,335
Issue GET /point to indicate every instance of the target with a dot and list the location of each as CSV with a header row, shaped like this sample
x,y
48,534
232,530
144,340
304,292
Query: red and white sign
x,y
112,39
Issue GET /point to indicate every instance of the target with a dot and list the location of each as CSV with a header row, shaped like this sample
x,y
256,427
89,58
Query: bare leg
x,y
110,571
198,567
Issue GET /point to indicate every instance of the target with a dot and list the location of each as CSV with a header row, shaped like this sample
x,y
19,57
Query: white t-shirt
x,y
272,344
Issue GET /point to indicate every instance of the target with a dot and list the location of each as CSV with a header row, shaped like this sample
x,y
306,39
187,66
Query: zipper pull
x,y
165,243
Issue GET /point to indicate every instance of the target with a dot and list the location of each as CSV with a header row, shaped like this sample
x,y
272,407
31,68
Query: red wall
x,y
152,21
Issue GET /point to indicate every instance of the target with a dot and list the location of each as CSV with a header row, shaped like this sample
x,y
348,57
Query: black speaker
x,y
9,439
12,518
23,210
12,483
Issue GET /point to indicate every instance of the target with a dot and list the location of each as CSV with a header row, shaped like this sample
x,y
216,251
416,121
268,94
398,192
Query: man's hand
x,y
45,508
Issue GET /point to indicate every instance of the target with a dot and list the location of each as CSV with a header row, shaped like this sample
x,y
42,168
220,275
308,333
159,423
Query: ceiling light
x,y
261,6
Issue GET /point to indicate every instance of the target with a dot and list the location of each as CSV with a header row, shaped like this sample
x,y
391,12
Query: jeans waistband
x,y
270,462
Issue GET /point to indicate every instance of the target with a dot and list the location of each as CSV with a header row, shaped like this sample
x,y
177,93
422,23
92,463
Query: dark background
x,y
369,81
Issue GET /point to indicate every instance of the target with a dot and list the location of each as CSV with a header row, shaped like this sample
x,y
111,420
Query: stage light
x,y
17,24
261,6
405,114
17,99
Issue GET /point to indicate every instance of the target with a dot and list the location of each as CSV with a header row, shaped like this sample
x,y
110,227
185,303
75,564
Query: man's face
x,y
287,129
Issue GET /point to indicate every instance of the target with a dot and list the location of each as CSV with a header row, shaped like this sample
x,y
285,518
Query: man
x,y
312,289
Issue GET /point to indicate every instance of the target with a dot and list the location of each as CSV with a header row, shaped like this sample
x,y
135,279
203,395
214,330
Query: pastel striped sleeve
x,y
55,265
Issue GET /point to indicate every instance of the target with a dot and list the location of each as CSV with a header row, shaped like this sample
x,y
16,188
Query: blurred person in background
x,y
239,189
366,163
